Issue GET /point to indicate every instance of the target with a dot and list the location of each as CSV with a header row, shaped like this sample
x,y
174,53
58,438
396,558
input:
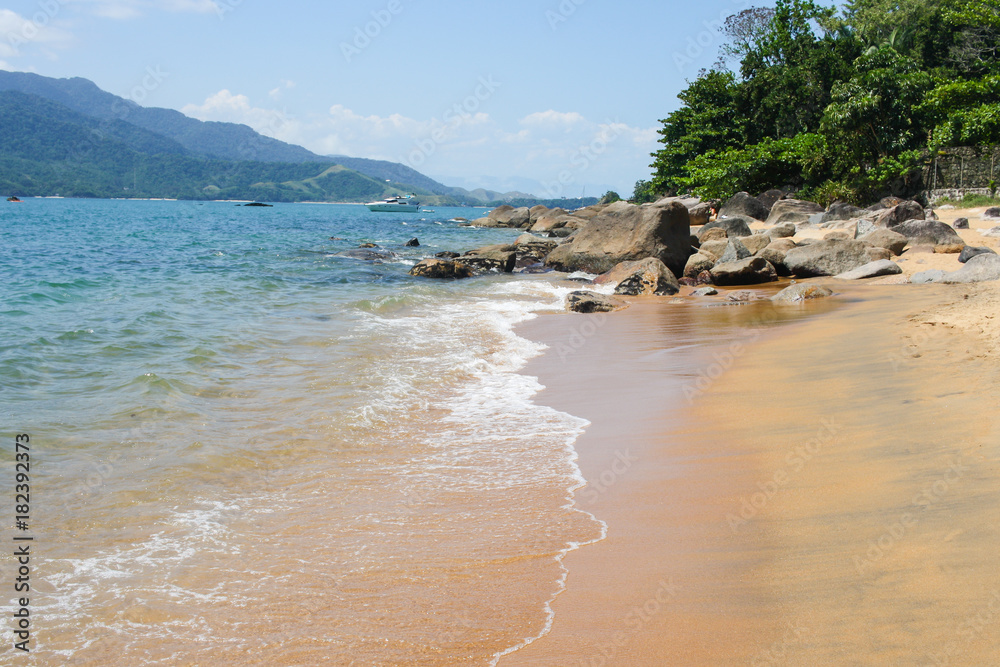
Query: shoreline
x,y
726,541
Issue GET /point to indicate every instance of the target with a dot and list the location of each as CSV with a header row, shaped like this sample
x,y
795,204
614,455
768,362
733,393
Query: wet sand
x,y
824,491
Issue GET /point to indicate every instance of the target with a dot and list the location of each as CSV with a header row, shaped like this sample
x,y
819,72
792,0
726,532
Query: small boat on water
x,y
405,204
13,199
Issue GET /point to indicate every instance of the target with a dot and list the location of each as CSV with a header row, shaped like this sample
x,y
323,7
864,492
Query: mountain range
x,y
68,137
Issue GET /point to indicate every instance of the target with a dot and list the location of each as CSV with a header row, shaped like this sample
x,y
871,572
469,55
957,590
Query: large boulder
x,y
500,212
928,232
981,268
495,259
712,234
440,268
883,267
537,212
735,226
800,292
583,301
508,216
968,252
749,271
551,223
714,248
900,213
961,223
697,263
886,238
840,210
793,210
826,258
769,198
755,242
624,232
782,231
991,213
641,277
743,204
735,251
700,213
532,247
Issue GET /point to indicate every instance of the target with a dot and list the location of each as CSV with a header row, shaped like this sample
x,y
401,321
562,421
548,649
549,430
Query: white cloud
x,y
130,9
16,32
276,93
564,150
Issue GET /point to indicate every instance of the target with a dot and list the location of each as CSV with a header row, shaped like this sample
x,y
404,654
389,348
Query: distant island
x,y
67,137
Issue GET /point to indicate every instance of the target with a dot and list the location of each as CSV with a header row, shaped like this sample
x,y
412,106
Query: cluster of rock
x,y
655,248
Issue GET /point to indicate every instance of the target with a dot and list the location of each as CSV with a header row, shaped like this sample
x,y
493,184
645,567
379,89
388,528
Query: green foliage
x,y
970,201
643,193
610,197
838,106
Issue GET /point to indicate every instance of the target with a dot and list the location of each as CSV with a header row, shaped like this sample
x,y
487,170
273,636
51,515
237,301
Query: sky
x,y
551,97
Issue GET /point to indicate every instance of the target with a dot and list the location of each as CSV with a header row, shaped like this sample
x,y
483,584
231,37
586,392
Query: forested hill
x,y
47,148
834,103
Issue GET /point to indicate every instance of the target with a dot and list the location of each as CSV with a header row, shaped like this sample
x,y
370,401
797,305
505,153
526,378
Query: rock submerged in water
x,y
801,292
583,301
440,269
412,243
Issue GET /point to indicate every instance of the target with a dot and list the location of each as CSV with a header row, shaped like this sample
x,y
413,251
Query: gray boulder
x,y
793,210
992,233
700,213
900,213
786,230
591,302
981,268
882,267
491,259
886,238
705,291
826,258
749,271
743,204
735,226
714,248
930,232
624,232
712,234
864,226
770,197
755,242
961,223
968,252
842,211
440,268
735,251
932,276
371,254
800,292
641,277
993,212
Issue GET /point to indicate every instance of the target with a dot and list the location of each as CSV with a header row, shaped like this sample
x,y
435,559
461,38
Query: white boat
x,y
405,204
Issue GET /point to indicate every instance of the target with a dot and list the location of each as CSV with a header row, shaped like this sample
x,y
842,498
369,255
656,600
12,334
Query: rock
x,y
743,204
949,248
743,296
534,247
734,226
735,251
839,234
705,291
786,230
863,227
882,267
893,241
749,271
968,252
801,292
981,268
485,222
792,210
496,259
412,243
928,232
769,198
500,211
704,278
440,268
697,263
929,214
932,276
961,223
826,258
700,213
591,302
755,242
367,254
536,212
447,254
712,234
641,277
368,245
549,223
877,254
842,211
508,216
624,232
714,248
900,213
993,233
993,212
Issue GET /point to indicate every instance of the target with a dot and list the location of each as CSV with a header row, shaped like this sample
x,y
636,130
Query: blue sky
x,y
554,97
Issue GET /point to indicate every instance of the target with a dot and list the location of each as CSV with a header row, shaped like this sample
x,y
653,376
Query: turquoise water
x,y
250,449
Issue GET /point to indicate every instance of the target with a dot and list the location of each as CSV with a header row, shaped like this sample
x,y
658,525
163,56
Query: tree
x,y
610,197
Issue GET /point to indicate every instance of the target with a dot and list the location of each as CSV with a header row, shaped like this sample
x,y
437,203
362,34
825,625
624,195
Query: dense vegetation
x,y
835,105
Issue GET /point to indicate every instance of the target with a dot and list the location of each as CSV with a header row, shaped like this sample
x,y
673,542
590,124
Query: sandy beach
x,y
797,485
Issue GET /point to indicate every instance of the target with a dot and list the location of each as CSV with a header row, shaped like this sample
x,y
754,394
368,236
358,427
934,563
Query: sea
x,y
247,448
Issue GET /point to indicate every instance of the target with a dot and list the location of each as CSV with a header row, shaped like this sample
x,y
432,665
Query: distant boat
x,y
13,199
405,204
